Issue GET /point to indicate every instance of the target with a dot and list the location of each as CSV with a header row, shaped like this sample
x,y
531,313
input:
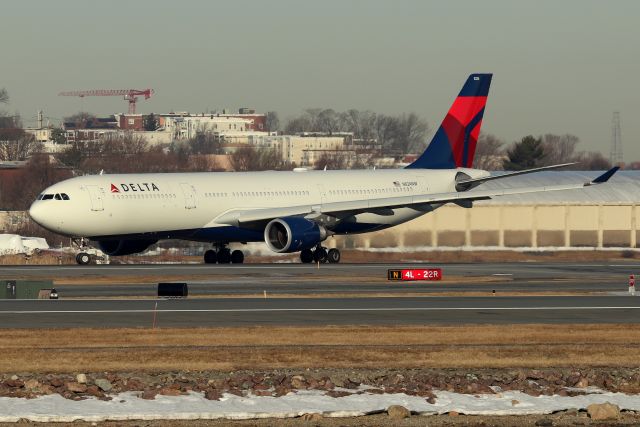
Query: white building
x,y
302,150
186,126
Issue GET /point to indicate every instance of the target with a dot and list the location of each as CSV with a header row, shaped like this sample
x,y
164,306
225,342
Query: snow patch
x,y
15,244
128,406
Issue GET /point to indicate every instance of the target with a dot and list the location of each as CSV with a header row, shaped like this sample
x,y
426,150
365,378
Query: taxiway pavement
x,y
317,311
252,279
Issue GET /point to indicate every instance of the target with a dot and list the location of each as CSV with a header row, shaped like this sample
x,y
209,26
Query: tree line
x,y
397,135
531,152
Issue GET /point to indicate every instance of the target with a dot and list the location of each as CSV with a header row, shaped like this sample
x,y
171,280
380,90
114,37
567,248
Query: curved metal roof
x,y
623,187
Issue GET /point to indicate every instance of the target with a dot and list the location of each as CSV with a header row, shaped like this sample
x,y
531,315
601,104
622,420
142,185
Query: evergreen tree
x,y
526,154
150,122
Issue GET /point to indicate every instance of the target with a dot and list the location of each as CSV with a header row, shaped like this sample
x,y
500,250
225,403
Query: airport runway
x,y
141,280
317,311
130,289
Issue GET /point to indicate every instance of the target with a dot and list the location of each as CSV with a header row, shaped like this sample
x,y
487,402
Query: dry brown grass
x,y
318,347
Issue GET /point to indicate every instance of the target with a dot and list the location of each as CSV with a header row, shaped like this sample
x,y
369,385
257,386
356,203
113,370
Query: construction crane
x,y
130,95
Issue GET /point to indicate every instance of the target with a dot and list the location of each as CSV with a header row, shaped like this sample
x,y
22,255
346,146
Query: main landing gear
x,y
223,255
320,255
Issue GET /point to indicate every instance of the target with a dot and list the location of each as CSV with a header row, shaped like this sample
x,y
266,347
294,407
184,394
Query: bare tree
x,y
410,134
397,135
205,143
591,160
255,159
16,144
489,152
331,161
386,131
328,121
4,96
272,121
118,153
361,123
8,121
298,124
559,148
17,191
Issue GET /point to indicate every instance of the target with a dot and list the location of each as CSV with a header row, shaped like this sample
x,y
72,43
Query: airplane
x,y
291,211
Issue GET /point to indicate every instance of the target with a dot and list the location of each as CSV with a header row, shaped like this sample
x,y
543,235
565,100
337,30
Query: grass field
x,y
227,349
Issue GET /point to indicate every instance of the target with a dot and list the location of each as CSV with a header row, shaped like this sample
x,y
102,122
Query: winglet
x,y
604,177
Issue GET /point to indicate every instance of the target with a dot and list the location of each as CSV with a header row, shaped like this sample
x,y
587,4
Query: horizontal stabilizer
x,y
604,177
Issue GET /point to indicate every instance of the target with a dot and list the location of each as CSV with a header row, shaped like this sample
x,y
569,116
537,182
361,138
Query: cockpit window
x,y
57,196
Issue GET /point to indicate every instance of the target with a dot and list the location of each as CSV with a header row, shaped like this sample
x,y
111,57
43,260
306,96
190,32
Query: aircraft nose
x,y
37,213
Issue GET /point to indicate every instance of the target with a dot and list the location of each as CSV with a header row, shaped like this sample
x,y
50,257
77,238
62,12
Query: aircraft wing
x,y
477,181
384,205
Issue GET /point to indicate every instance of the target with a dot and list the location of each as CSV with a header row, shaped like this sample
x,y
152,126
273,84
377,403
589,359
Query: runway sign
x,y
415,274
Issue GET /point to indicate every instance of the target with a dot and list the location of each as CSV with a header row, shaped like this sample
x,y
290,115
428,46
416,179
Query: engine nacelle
x,y
292,234
124,247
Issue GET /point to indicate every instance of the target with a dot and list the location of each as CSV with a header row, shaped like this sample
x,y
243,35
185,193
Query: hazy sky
x,y
559,66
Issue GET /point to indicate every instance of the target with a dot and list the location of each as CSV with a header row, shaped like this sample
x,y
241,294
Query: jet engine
x,y
124,247
292,234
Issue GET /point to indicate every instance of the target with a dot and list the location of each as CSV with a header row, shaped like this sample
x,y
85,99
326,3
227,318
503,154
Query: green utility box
x,y
23,289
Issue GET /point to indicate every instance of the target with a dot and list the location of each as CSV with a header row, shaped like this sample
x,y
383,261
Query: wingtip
x,y
605,176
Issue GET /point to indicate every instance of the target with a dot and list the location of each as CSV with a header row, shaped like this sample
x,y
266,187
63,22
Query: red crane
x,y
130,95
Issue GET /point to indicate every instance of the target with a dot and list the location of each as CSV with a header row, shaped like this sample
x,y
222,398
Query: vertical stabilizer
x,y
454,144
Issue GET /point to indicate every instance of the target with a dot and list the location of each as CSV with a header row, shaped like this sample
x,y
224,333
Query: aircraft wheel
x,y
333,256
83,258
224,256
210,257
320,255
306,256
237,257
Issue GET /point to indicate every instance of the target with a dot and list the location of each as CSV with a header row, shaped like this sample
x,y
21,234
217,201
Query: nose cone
x,y
37,212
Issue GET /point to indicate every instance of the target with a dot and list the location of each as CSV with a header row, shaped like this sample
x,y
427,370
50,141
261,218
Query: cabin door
x,y
96,196
189,193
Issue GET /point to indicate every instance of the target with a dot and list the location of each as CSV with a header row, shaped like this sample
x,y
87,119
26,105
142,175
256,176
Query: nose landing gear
x,y
320,255
223,255
83,258
87,254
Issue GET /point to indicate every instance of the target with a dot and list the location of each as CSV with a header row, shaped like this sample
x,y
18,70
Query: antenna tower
x,y
615,155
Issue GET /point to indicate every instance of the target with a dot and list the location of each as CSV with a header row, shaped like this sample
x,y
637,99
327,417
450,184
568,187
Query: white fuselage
x,y
167,204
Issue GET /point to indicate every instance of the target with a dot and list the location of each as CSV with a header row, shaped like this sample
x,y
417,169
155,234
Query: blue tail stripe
x,y
467,134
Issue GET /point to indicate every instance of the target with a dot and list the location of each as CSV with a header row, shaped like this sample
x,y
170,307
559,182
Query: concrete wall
x,y
512,226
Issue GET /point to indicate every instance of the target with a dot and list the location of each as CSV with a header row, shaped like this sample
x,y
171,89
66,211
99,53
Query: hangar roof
x,y
623,187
